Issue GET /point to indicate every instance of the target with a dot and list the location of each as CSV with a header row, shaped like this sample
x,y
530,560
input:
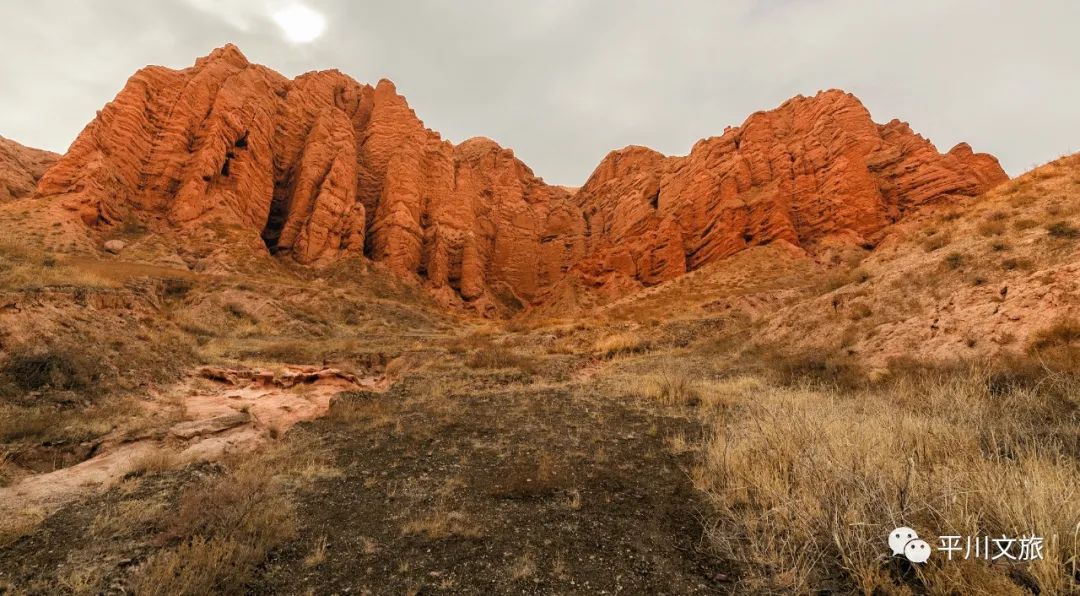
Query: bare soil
x,y
533,490
506,486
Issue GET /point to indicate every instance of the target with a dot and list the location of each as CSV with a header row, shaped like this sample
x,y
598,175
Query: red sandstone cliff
x,y
321,168
813,170
21,168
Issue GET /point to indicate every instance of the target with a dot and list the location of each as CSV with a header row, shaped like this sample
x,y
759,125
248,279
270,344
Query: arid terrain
x,y
270,335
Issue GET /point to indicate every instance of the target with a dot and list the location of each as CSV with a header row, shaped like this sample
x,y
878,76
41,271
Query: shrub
x,y
222,530
954,260
1062,229
59,368
1012,264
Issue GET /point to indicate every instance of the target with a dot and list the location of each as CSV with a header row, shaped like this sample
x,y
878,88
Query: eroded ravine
x,y
213,412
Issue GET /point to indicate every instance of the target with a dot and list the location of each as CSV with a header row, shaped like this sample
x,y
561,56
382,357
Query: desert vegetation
x,y
807,478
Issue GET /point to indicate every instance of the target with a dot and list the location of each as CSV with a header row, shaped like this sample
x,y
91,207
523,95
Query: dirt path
x,y
514,490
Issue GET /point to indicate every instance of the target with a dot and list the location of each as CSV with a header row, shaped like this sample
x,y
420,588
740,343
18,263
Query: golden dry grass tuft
x,y
440,525
618,344
674,387
807,481
156,461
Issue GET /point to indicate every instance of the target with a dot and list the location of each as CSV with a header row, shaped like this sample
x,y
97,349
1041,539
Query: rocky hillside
x,y
21,168
322,168
815,170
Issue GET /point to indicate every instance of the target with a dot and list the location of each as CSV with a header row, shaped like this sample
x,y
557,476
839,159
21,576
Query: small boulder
x,y
115,246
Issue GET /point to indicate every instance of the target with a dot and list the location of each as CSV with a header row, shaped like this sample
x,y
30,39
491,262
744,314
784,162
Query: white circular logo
x,y
917,551
899,537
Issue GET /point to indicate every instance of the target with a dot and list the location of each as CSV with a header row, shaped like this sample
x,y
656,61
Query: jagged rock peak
x,y
322,168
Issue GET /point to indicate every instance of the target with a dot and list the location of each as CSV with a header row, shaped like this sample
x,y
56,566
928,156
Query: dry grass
x,y
22,268
14,527
617,344
673,387
128,517
317,556
495,357
56,423
523,568
807,482
63,368
226,525
440,525
1063,230
159,460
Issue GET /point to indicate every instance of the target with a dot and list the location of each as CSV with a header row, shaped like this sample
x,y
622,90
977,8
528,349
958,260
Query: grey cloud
x,y
562,82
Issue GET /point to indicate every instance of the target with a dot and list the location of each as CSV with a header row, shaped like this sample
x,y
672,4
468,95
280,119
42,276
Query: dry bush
x,y
494,356
1063,230
839,279
63,368
1024,223
954,260
1021,264
807,482
674,387
617,344
222,530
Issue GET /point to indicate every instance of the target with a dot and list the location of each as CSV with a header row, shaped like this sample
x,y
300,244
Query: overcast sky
x,y
562,82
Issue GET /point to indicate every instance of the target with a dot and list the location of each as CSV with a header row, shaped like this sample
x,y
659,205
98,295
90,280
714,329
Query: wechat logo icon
x,y
905,541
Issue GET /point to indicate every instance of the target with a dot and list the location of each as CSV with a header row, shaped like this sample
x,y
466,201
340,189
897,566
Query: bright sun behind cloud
x,y
300,23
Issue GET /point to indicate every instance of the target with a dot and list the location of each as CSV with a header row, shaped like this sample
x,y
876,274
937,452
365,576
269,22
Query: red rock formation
x,y
21,168
322,168
812,169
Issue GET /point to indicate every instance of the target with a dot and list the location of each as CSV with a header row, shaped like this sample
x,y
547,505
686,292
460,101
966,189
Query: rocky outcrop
x,y
813,170
320,168
323,168
21,168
